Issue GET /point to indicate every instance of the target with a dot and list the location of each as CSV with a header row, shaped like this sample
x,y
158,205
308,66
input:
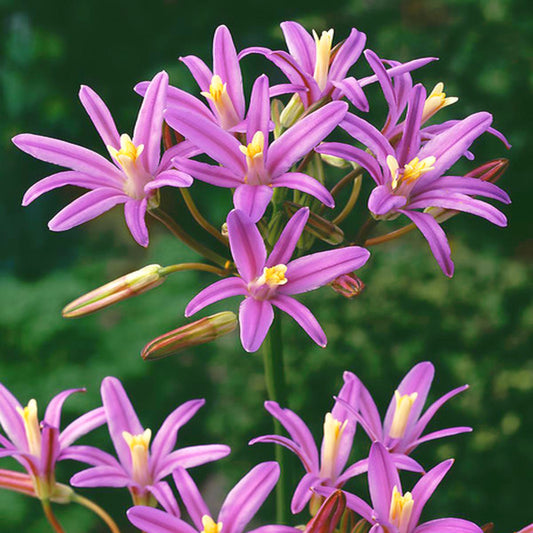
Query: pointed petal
x,y
52,416
10,419
303,316
200,71
49,451
410,141
277,529
436,238
358,468
301,138
404,462
286,443
191,456
169,178
100,476
184,149
303,492
399,68
164,495
82,425
258,118
86,207
89,455
247,496
440,434
300,44
100,116
165,439
353,502
153,520
312,271
449,525
351,88
284,248
382,201
135,211
247,246
225,288
212,174
192,499
382,478
385,81
303,182
252,200
347,54
255,318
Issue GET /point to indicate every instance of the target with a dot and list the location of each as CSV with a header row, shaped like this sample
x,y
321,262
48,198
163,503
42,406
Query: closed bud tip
x,y
328,515
349,285
490,171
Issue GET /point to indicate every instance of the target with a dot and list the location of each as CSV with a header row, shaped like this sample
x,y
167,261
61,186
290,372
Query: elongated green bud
x,y
292,111
115,291
199,332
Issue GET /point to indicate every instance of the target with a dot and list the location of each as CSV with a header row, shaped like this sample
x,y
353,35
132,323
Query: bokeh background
x,y
476,328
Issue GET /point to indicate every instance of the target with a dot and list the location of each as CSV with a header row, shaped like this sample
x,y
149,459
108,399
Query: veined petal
x,y
135,211
439,435
226,65
255,319
286,443
313,271
252,200
52,416
410,141
101,476
100,116
303,492
165,497
86,207
303,182
385,81
82,425
436,238
275,528
247,496
303,316
10,419
200,71
284,248
184,149
382,478
49,450
382,201
69,155
153,520
300,44
90,455
212,174
347,54
301,138
399,68
258,118
225,288
449,525
247,246
351,88
359,467
194,503
169,178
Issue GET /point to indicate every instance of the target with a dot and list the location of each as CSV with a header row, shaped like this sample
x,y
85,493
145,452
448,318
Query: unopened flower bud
x,y
334,161
490,171
199,332
224,230
328,515
292,111
349,285
124,287
61,493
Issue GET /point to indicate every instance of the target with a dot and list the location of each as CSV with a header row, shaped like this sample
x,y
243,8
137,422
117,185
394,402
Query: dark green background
x,y
476,328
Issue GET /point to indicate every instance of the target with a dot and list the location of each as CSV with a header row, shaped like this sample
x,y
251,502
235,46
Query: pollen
x,y
323,54
210,526
31,427
128,152
134,441
404,404
256,147
273,276
436,100
401,508
217,89
410,172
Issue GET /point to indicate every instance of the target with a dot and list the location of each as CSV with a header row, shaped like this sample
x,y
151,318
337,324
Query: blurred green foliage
x,y
476,328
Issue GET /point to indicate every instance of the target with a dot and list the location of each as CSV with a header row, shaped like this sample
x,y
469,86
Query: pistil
x,y
404,404
31,427
333,430
401,508
323,53
139,446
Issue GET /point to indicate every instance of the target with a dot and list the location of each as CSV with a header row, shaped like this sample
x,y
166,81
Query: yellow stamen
x,y
410,172
139,446
31,426
256,147
128,152
436,100
273,276
217,89
210,526
401,508
404,404
333,430
323,53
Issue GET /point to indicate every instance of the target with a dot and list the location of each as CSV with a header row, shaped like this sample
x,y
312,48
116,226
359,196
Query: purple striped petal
x,y
369,413
90,455
120,417
258,118
49,450
385,81
301,138
303,316
212,174
247,496
255,319
347,54
278,529
225,288
358,468
399,68
100,476
284,88
351,88
226,65
169,178
284,248
312,271
100,116
69,155
440,434
382,478
200,71
52,415
410,141
247,246
349,394
86,207
303,182
436,238
404,462
300,44
449,525
81,426
252,200
192,499
286,443
183,149
382,201
135,211
164,495
165,439
10,419
152,520
303,492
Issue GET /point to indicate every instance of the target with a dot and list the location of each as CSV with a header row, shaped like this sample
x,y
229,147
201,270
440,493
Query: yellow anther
x,y
410,172
31,427
323,53
139,445
273,276
404,404
436,100
401,508
333,430
134,441
256,147
216,89
210,526
128,151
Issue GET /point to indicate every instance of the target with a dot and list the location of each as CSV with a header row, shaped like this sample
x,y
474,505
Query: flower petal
x,y
346,55
410,140
303,492
165,497
382,201
192,499
153,520
303,182
258,118
135,211
52,416
225,288
252,200
300,44
101,476
191,456
212,174
82,425
200,71
255,318
89,455
351,88
440,434
169,178
10,419
449,525
284,248
382,478
49,451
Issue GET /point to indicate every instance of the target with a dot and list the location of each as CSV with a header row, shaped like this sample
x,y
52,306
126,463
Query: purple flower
x,y
133,178
239,507
142,465
39,445
412,178
392,510
270,281
404,423
256,168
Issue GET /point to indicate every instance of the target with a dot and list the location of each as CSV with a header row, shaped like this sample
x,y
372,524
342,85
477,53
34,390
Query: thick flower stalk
x,y
271,281
133,177
142,463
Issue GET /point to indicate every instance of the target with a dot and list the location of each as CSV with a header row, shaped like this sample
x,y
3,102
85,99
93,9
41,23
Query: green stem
x,y
365,231
195,266
96,509
50,516
276,391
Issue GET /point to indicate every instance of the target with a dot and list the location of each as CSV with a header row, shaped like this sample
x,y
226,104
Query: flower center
x,y
436,100
410,172
128,152
273,276
401,508
31,426
323,52
404,404
210,526
219,96
139,445
333,430
255,161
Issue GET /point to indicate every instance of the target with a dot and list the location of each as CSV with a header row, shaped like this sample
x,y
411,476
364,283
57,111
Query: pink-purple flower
x,y
133,177
271,281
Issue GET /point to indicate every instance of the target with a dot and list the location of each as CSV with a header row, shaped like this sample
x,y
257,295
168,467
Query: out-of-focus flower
x,y
142,464
39,445
256,168
137,171
270,281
